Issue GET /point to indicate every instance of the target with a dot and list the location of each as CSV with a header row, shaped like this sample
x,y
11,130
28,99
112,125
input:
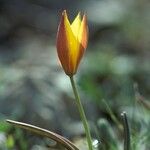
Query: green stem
x,y
82,113
126,131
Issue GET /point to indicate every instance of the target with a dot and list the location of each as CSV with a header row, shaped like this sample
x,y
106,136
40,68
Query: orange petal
x,y
66,44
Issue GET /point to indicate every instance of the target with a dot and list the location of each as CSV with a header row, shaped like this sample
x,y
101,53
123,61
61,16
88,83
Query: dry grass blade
x,y
46,133
140,99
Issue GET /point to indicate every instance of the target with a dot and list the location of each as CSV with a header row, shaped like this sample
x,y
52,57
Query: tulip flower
x,y
71,42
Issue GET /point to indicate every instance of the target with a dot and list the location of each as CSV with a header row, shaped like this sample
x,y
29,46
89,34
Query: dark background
x,y
113,72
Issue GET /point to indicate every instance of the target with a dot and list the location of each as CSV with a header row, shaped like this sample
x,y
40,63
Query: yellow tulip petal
x,y
82,38
75,26
73,45
83,32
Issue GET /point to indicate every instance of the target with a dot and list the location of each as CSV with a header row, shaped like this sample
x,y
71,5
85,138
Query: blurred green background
x,y
114,75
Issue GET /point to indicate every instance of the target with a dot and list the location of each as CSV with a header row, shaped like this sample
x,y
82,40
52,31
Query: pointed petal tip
x,y
84,17
64,13
65,16
79,14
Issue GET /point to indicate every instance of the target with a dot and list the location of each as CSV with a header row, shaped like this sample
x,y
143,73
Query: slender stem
x,y
126,131
82,114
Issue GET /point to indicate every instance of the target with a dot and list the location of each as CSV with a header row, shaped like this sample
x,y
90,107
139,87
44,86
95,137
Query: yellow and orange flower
x,y
71,42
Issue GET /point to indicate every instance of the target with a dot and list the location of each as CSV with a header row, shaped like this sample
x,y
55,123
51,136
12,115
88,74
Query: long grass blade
x,y
46,133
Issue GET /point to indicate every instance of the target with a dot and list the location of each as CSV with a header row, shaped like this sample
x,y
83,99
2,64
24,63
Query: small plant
x,y
71,43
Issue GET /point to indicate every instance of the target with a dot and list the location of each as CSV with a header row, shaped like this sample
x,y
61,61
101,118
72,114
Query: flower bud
x,y
71,42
